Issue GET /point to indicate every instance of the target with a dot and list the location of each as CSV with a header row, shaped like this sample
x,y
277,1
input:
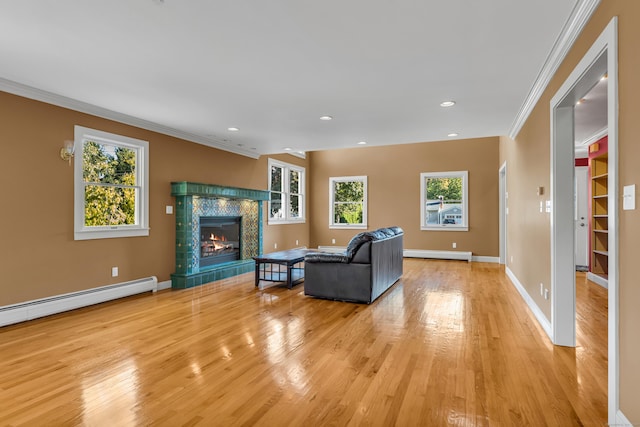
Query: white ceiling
x,y
590,116
272,68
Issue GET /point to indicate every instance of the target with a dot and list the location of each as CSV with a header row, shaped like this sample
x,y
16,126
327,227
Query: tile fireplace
x,y
218,232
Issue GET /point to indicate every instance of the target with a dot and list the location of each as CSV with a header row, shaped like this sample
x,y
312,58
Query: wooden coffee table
x,y
272,264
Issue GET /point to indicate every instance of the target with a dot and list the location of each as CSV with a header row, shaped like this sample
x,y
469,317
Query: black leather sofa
x,y
371,264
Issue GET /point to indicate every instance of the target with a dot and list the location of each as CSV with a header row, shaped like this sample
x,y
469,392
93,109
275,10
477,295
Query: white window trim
x,y
141,228
332,224
286,167
465,201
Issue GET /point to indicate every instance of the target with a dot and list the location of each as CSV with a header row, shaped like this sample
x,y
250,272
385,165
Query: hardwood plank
x,y
452,343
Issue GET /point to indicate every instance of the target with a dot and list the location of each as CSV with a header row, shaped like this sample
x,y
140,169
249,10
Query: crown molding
x,y
579,17
595,137
83,107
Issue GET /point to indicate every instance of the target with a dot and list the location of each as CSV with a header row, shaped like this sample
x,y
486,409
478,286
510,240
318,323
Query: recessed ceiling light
x,y
604,77
287,148
362,143
447,103
452,134
233,129
326,118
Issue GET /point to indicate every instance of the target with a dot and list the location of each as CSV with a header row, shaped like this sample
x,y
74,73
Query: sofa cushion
x,y
362,255
357,241
396,230
379,234
325,257
387,232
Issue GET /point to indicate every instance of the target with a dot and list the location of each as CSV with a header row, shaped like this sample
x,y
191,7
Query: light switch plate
x,y
629,197
169,209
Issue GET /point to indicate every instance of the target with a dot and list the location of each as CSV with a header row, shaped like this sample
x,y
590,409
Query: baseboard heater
x,y
420,253
415,253
57,304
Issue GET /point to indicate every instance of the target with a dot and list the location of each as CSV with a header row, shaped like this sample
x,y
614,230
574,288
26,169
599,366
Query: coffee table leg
x,y
289,275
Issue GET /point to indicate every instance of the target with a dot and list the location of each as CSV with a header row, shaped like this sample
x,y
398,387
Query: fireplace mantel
x,y
184,188
194,200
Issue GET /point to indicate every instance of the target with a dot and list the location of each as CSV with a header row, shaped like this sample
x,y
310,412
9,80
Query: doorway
x,y
503,212
601,59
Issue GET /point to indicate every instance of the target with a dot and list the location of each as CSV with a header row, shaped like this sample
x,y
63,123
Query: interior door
x,y
581,217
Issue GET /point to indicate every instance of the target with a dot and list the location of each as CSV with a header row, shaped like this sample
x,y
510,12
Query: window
x,y
286,184
348,202
111,178
443,201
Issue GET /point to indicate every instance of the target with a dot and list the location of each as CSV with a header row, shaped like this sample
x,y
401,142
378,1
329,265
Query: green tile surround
x,y
190,197
184,188
211,274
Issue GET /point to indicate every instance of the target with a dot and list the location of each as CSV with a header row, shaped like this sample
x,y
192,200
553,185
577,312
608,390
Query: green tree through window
x,y
109,174
348,206
348,202
111,182
449,189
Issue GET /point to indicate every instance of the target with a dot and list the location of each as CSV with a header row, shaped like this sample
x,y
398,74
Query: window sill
x,y
444,228
285,221
110,234
348,226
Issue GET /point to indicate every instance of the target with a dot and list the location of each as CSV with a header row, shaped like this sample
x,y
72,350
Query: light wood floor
x,y
451,344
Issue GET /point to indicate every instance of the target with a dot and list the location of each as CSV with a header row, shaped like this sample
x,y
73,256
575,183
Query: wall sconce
x,y
66,152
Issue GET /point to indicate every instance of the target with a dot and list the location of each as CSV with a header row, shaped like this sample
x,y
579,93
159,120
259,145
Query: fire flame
x,y
218,246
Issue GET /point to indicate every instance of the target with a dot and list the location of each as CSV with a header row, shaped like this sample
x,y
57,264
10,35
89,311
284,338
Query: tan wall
x,y
528,166
393,179
38,253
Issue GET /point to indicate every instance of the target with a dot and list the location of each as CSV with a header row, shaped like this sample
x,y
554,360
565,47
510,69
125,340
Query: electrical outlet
x,y
454,245
114,271
541,289
333,241
546,294
275,246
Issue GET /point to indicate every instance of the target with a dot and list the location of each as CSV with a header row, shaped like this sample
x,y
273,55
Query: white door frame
x,y
601,58
504,211
581,201
581,205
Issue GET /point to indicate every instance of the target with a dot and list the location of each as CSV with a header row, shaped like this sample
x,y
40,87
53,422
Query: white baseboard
x,y
542,319
491,259
621,420
423,253
164,285
29,310
598,280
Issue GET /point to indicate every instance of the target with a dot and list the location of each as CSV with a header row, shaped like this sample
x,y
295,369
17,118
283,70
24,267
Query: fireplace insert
x,y
219,239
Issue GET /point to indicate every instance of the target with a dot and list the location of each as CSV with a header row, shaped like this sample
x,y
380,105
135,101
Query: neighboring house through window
x,y
348,202
444,201
286,184
111,178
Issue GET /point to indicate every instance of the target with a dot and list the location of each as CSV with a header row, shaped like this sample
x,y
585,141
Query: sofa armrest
x,y
326,257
